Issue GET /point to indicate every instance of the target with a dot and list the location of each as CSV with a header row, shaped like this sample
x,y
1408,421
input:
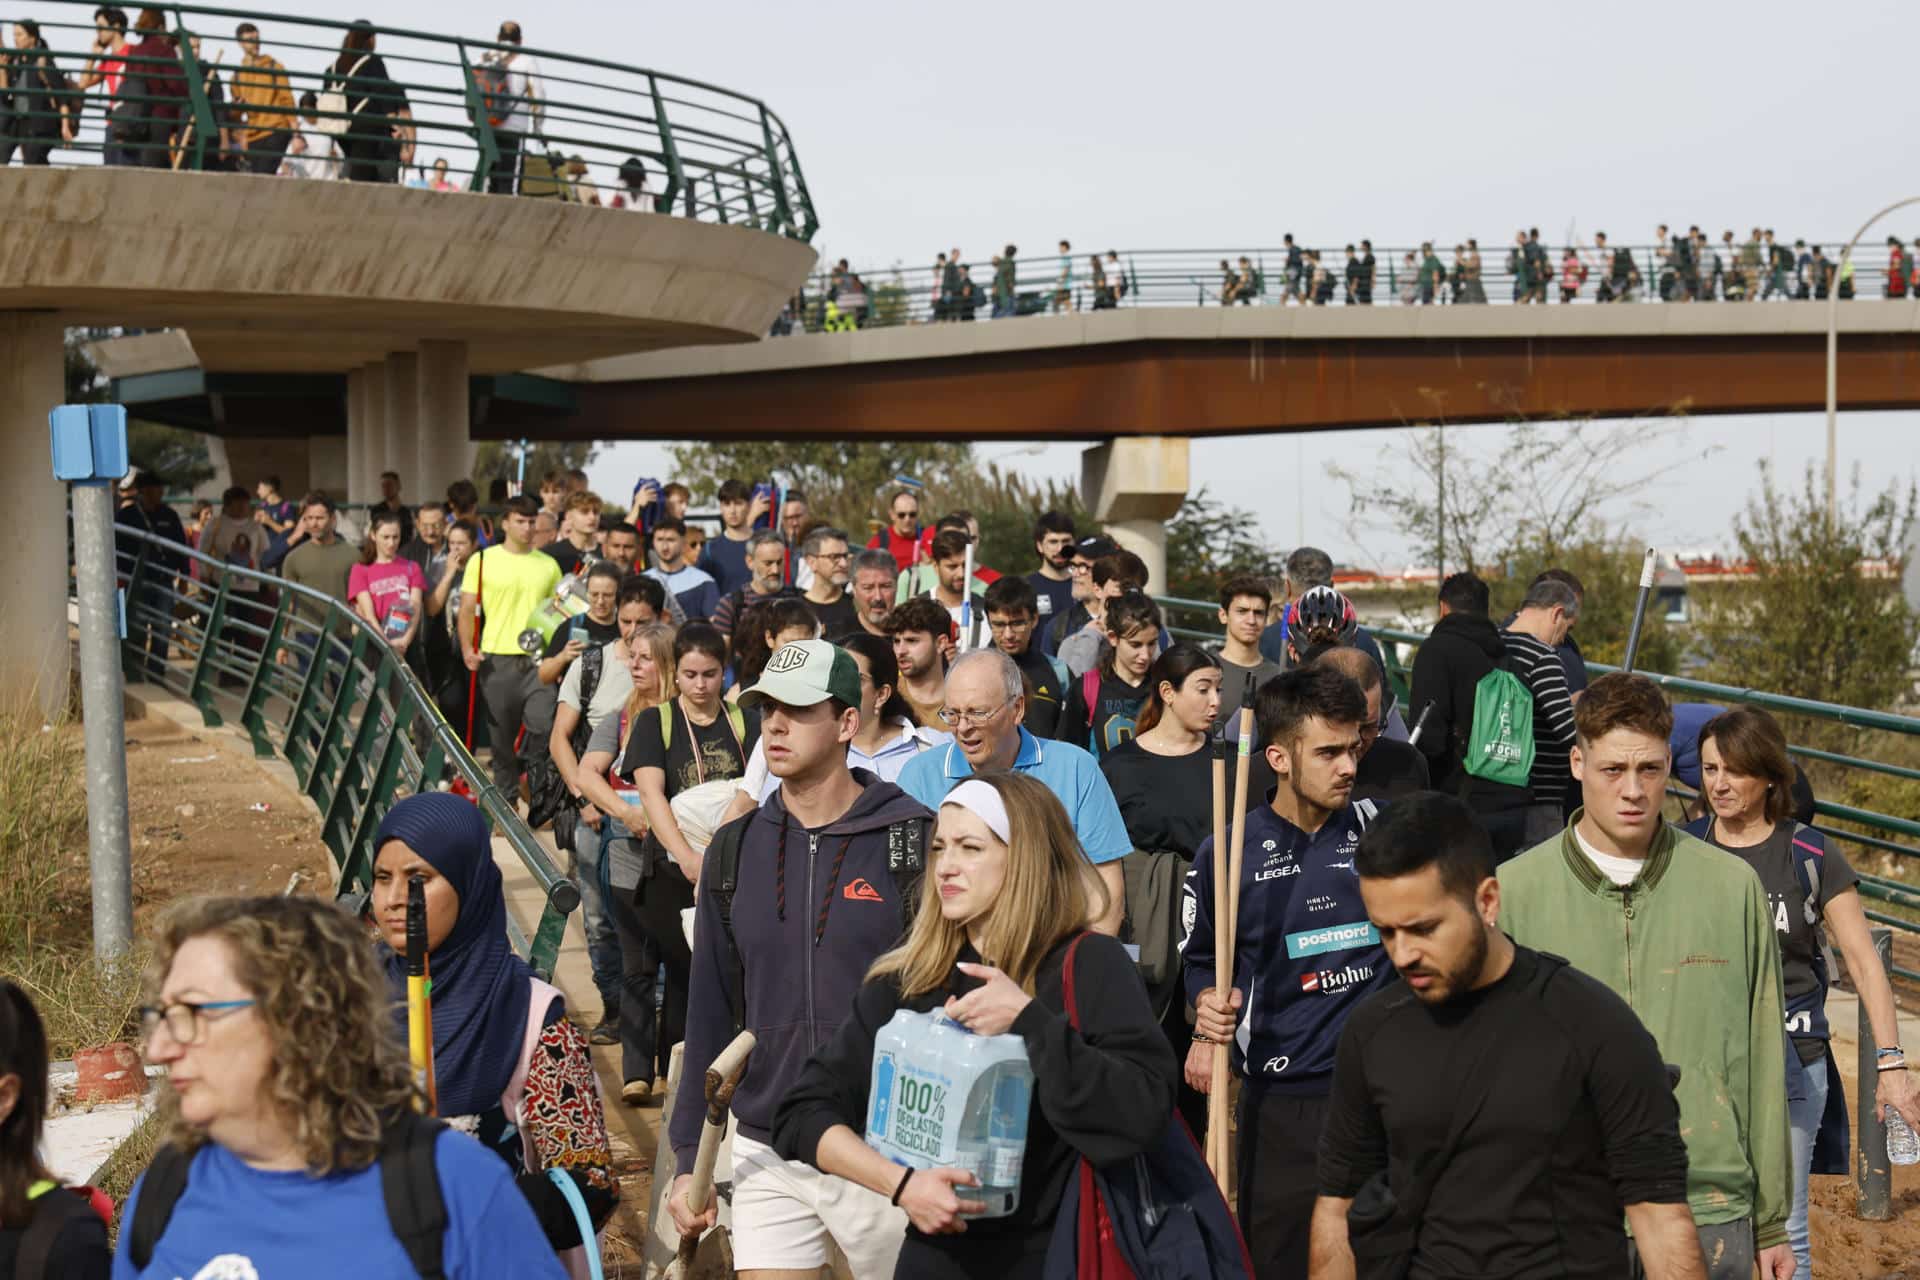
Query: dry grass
x,y
128,1161
45,908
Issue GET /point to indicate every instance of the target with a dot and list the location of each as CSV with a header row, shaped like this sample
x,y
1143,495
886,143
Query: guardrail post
x,y
204,125
1873,1172
719,197
356,868
781,208
487,147
251,718
133,648
812,223
197,691
343,698
676,177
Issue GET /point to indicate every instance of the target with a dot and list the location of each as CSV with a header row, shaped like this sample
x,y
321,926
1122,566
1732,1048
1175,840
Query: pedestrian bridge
x,y
1172,371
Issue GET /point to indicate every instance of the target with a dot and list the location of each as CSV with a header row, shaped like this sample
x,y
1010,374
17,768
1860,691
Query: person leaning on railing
x,y
34,118
263,101
380,132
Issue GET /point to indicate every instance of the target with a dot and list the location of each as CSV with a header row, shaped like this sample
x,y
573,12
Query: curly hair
x,y
339,1069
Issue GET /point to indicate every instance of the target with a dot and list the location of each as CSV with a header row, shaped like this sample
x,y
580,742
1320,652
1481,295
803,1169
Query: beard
x,y
1458,979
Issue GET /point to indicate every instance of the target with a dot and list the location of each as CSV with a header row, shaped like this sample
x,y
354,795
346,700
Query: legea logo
x,y
1338,937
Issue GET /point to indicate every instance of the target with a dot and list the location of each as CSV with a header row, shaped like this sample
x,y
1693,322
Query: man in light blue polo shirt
x,y
985,704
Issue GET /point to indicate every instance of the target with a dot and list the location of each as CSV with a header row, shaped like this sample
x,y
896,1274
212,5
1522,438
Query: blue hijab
x,y
481,990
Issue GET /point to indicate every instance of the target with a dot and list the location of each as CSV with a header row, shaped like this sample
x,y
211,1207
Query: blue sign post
x,y
90,453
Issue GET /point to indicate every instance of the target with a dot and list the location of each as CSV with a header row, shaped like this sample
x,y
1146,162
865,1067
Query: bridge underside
x,y
1246,385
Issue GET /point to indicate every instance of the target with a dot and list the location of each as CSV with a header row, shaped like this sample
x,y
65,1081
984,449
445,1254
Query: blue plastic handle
x,y
560,1179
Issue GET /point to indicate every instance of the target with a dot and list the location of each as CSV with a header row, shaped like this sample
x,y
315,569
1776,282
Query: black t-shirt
x,y
1772,861
1109,722
1575,1120
1389,769
1045,695
568,556
1056,598
722,750
1166,801
79,1252
598,633
837,619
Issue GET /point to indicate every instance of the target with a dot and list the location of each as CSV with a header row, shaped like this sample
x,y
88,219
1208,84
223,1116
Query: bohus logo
x,y
1338,937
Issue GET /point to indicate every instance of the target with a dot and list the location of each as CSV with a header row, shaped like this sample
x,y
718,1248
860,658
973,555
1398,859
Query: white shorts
x,y
783,1212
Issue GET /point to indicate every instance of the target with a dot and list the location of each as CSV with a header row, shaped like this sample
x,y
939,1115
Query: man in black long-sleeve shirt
x,y
1515,1107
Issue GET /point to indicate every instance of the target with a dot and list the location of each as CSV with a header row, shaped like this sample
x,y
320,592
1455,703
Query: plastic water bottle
x,y
1902,1146
944,1097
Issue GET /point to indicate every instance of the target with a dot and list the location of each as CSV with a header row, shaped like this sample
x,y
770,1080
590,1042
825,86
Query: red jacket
x,y
905,551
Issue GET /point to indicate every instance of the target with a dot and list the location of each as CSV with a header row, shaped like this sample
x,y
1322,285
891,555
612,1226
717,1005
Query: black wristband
x,y
902,1187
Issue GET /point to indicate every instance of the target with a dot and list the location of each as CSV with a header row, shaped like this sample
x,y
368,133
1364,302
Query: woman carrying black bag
x,y
378,141
1007,897
36,118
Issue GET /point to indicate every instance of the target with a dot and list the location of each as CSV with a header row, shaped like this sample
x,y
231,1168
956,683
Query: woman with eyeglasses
x,y
286,1082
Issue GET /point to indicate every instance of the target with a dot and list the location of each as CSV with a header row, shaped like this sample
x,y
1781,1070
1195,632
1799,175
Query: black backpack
x,y
409,1182
720,872
553,801
50,1215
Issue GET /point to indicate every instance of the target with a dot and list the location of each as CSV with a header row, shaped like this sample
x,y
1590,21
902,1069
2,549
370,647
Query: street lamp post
x,y
1833,350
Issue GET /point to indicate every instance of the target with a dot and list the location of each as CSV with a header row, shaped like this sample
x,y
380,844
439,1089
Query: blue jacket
x,y
1305,953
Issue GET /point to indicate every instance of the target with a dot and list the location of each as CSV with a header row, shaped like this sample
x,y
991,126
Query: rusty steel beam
x,y
1235,386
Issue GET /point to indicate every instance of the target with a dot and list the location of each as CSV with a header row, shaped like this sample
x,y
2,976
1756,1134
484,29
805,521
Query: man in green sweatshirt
x,y
1681,931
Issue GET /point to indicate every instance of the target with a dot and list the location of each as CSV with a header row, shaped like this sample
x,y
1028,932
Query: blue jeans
x,y
1804,1116
589,874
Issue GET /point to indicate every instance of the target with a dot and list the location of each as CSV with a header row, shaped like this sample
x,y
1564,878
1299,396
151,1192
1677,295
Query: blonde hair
x,y
339,1072
1048,895
658,636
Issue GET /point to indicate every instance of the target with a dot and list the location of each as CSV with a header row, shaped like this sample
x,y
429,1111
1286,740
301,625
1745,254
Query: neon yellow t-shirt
x,y
509,589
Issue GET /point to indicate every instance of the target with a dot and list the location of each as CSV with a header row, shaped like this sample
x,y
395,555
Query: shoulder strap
x,y
165,1181
592,662
51,1212
720,873
410,1184
1808,847
1090,693
907,861
666,723
1061,676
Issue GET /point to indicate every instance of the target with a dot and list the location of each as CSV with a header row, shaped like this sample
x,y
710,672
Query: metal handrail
x,y
731,154
900,294
353,769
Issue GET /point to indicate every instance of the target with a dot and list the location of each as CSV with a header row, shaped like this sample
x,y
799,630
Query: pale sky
x,y
1225,124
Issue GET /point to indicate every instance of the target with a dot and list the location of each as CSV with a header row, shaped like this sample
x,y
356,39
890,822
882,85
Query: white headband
x,y
984,803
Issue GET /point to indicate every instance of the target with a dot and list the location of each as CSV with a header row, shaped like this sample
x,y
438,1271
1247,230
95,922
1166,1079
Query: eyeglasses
x,y
960,719
185,1021
833,555
1010,624
1077,568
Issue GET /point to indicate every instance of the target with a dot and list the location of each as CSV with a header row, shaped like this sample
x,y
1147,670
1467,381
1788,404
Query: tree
x,y
176,455
500,460
1208,543
846,483
1006,505
1538,490
1609,569
1823,616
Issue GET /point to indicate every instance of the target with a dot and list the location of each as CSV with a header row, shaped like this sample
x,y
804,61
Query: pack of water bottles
x,y
943,1097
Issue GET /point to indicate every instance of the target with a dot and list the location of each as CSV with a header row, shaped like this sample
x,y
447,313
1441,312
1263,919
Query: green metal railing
x,y
880,297
642,137
1880,832
312,682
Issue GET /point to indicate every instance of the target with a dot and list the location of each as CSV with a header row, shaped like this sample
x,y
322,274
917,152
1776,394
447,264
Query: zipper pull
x,y
813,845
1626,900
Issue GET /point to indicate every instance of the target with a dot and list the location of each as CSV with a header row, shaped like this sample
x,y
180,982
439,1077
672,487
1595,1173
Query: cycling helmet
x,y
1323,613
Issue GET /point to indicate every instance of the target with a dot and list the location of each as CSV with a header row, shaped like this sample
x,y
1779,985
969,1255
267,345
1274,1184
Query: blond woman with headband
x,y
285,1078
1007,892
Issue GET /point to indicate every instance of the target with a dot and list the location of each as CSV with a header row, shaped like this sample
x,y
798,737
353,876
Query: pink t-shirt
x,y
388,584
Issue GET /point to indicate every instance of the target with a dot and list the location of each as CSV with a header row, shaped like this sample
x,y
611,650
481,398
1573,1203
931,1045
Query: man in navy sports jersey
x,y
1305,954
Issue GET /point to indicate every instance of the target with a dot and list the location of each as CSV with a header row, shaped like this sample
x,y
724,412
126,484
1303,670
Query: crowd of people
x,y
1678,267
1489,1010
359,124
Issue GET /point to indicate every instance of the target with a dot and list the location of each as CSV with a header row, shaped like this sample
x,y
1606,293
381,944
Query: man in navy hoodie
x,y
815,899
1305,955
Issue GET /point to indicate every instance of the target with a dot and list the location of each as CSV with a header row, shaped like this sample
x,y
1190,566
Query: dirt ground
x,y
1844,1247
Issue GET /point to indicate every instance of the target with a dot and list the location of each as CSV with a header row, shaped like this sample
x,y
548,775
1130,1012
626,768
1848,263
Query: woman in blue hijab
x,y
510,1069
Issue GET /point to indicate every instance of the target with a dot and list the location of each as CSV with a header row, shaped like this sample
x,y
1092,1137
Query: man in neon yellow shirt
x,y
506,583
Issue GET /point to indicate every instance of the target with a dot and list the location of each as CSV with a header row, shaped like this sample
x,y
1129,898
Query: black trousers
x,y
1279,1152
640,1051
263,154
662,896
975,1254
369,158
34,148
506,170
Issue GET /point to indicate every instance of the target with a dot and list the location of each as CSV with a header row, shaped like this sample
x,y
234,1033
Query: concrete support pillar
x,y
443,449
366,431
327,464
1134,485
402,422
34,661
